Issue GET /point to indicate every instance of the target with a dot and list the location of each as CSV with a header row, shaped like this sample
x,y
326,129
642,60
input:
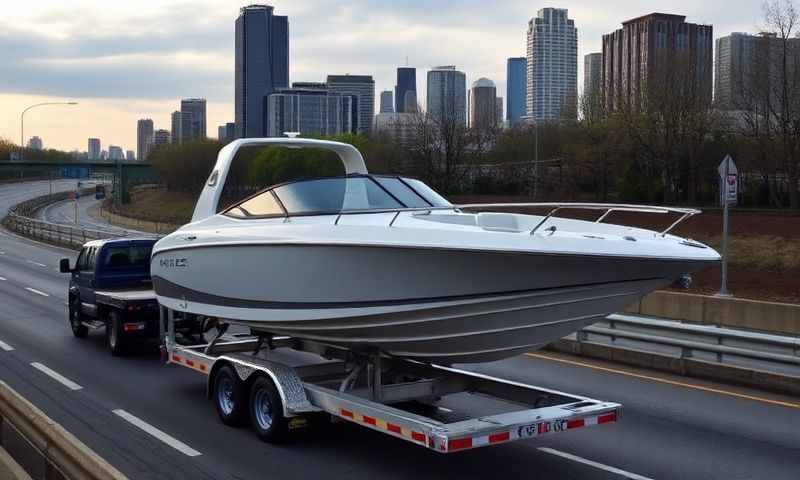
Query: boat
x,y
384,263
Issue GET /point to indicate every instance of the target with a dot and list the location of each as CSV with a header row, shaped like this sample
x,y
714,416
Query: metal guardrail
x,y
723,345
20,220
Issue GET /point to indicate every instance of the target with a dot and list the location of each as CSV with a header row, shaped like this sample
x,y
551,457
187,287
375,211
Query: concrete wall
x,y
770,317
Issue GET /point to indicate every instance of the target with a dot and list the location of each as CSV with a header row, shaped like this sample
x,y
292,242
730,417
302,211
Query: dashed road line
x,y
3,279
56,376
164,437
5,347
592,463
37,292
36,263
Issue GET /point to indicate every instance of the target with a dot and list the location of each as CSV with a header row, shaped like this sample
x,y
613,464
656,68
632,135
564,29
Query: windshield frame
x,y
369,177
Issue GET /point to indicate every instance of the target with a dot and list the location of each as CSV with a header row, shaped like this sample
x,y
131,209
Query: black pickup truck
x,y
110,287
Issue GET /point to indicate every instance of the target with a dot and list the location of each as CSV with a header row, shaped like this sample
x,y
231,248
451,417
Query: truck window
x,y
135,257
91,259
80,263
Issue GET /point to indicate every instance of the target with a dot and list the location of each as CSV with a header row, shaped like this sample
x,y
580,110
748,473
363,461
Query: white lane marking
x,y
5,347
37,292
36,263
164,437
591,463
56,376
445,410
3,279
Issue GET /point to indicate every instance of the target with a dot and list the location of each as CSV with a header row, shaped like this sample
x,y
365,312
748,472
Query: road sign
x,y
728,181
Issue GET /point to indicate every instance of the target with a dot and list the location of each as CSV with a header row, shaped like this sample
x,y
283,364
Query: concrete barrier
x,y
772,317
42,447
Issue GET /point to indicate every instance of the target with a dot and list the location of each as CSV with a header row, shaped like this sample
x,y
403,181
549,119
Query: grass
x,y
762,253
158,205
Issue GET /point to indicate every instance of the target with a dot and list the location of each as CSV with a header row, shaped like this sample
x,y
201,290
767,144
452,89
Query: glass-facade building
x,y
387,102
309,111
405,92
262,66
516,80
447,94
362,89
552,86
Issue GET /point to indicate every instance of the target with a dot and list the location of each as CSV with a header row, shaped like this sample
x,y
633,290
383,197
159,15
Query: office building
x,y
362,87
592,66
35,143
387,102
103,156
398,127
115,153
226,133
309,111
193,114
262,66
483,105
552,84
649,53
447,91
516,88
499,110
144,138
405,91
130,155
93,149
161,137
177,127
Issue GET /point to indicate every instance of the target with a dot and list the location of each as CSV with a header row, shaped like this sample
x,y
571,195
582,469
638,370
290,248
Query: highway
x,y
153,422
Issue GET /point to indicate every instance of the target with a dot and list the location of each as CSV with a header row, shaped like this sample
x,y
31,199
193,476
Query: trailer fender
x,y
290,386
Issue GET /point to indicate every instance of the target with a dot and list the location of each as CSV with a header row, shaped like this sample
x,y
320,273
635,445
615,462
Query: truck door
x,y
85,280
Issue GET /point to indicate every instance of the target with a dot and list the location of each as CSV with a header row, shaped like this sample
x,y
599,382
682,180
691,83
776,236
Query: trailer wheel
x,y
115,339
79,330
230,397
266,411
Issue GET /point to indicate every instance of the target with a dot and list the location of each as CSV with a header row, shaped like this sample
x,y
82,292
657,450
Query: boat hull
x,y
447,306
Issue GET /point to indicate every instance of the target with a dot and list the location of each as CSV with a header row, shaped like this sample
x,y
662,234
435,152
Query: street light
x,y
22,124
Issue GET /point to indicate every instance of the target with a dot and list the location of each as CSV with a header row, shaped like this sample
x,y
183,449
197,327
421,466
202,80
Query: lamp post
x,y
22,124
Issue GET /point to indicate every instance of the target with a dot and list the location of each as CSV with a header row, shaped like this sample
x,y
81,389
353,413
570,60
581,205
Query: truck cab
x,y
110,286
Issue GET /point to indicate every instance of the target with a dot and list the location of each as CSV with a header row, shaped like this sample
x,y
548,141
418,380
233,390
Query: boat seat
x,y
499,222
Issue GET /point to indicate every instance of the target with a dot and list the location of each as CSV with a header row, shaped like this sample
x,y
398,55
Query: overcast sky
x,y
127,60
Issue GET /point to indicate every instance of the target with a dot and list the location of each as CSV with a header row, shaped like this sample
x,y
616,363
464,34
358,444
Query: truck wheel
x,y
230,397
76,320
115,339
266,411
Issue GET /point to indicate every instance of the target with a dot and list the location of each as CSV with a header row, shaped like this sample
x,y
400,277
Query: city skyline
x,y
195,58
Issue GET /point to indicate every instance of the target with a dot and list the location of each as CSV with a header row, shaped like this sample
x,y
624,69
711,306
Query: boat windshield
x,y
338,194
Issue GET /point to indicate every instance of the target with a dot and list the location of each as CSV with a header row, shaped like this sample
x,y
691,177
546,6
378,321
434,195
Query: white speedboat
x,y
385,263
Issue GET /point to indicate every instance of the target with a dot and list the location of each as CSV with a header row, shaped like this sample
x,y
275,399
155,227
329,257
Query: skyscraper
x,y
93,149
177,127
362,87
130,155
310,111
161,137
592,66
552,66
387,102
483,104
516,88
499,110
648,50
193,113
226,133
115,153
262,65
35,143
447,91
144,138
405,92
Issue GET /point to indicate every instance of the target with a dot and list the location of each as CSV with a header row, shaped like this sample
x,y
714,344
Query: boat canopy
x,y
334,195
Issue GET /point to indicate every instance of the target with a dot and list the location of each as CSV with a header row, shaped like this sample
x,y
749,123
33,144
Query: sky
x,y
122,61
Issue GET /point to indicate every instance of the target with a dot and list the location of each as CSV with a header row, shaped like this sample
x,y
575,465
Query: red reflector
x,y
417,437
190,363
346,413
459,444
575,423
176,358
394,428
608,417
369,420
499,437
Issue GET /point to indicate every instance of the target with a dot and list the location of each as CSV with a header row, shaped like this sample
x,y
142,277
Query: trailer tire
x,y
230,397
115,339
79,330
266,411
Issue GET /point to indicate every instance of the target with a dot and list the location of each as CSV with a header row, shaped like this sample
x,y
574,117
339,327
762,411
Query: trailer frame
x,y
374,390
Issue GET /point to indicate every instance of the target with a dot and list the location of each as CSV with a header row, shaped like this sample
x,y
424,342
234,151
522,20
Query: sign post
x,y
728,195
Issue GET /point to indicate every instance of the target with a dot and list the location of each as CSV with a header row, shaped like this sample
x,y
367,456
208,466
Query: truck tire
x,y
76,319
266,411
230,397
115,338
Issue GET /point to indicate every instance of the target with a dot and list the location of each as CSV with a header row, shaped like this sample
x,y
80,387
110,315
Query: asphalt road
x,y
64,213
671,427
